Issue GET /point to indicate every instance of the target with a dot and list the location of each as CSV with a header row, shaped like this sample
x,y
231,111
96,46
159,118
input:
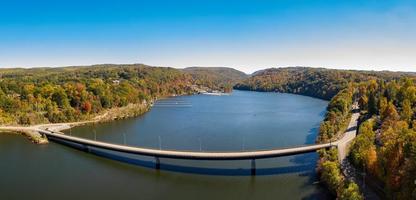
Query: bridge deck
x,y
245,155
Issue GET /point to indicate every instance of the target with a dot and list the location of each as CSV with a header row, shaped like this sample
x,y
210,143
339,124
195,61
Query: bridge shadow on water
x,y
312,159
303,164
203,170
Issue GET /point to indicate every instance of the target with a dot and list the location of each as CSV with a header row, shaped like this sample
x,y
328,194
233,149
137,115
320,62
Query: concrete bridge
x,y
86,144
190,155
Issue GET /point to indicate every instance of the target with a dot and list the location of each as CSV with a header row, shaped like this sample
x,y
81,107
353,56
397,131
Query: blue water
x,y
241,121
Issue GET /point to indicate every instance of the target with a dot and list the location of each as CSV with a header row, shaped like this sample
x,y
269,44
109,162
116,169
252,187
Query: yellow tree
x,y
407,111
392,151
390,113
383,105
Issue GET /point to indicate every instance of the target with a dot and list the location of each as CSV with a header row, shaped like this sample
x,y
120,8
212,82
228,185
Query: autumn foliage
x,y
386,144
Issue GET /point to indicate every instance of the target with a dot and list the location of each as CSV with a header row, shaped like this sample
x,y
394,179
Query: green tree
x,y
331,175
363,150
372,104
351,192
59,96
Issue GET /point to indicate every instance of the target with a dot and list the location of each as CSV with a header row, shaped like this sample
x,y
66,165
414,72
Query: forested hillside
x,y
220,78
41,95
335,123
315,82
386,145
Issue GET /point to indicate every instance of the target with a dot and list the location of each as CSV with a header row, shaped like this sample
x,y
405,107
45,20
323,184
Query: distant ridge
x,y
315,82
224,77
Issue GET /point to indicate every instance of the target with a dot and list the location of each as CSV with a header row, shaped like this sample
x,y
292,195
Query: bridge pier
x,y
86,148
253,167
157,164
89,145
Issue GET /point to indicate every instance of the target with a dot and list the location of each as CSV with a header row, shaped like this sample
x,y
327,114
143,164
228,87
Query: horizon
x,y
181,68
244,35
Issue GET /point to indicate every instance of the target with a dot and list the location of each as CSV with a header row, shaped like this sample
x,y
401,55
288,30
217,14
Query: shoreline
x,y
32,135
286,92
131,110
112,114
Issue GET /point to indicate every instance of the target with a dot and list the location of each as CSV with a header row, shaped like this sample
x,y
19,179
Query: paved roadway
x,y
349,135
243,155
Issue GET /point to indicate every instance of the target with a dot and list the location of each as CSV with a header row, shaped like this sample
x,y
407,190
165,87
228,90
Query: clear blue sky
x,y
247,35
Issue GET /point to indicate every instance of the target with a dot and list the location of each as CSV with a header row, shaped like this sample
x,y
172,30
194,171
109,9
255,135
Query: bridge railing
x,y
193,155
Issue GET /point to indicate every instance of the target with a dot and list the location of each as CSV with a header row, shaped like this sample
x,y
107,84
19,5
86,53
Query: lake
x,y
241,121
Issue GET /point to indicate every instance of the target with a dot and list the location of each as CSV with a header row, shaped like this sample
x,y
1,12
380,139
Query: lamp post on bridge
x,y
160,143
200,144
244,143
124,138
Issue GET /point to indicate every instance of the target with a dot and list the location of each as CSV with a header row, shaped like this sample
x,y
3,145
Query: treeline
x,y
342,88
42,95
386,145
337,116
218,78
335,123
315,82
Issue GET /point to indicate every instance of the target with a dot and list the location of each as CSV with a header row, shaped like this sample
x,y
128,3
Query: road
x,y
349,135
